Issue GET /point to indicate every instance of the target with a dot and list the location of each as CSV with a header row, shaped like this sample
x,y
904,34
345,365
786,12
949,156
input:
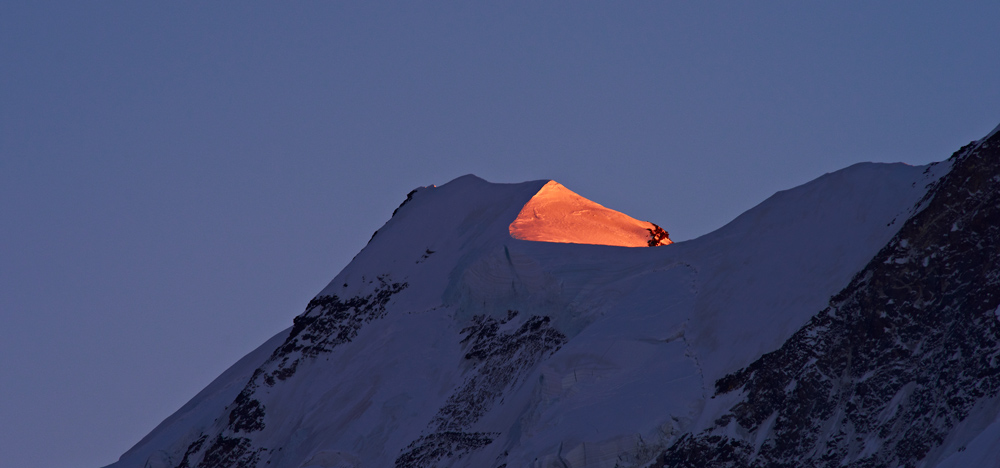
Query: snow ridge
x,y
885,375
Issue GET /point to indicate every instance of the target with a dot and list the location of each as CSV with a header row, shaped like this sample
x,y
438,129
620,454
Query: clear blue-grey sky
x,y
177,179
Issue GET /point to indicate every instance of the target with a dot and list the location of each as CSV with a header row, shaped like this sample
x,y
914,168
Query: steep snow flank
x,y
170,436
772,268
902,368
433,235
990,135
983,450
557,214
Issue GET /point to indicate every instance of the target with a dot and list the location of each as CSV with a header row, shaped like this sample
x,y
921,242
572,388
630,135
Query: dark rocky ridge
x,y
658,236
327,322
500,360
898,359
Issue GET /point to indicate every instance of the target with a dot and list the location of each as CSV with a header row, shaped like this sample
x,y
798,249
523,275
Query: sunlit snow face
x,y
557,214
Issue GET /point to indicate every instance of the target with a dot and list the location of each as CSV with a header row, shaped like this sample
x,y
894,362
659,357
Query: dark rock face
x,y
328,322
658,236
900,356
427,450
500,359
409,196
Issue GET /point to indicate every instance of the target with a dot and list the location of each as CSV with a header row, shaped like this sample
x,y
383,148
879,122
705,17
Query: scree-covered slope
x,y
460,336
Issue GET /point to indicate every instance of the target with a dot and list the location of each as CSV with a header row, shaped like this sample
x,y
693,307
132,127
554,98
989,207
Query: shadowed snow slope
x,y
557,214
454,340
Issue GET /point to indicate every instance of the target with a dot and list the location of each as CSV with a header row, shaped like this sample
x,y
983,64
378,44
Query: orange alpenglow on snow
x,y
557,214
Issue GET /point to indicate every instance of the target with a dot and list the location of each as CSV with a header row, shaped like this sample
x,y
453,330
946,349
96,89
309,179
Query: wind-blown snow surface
x,y
446,342
557,214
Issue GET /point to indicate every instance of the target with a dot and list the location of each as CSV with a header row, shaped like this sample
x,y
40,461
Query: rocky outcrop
x,y
501,352
658,236
327,322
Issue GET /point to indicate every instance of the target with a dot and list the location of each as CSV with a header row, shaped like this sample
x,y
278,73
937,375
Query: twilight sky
x,y
178,179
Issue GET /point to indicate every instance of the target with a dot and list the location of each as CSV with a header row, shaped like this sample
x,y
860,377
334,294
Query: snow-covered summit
x,y
557,214
449,237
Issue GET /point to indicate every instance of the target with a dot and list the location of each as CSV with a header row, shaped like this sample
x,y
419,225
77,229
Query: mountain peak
x,y
446,342
557,214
